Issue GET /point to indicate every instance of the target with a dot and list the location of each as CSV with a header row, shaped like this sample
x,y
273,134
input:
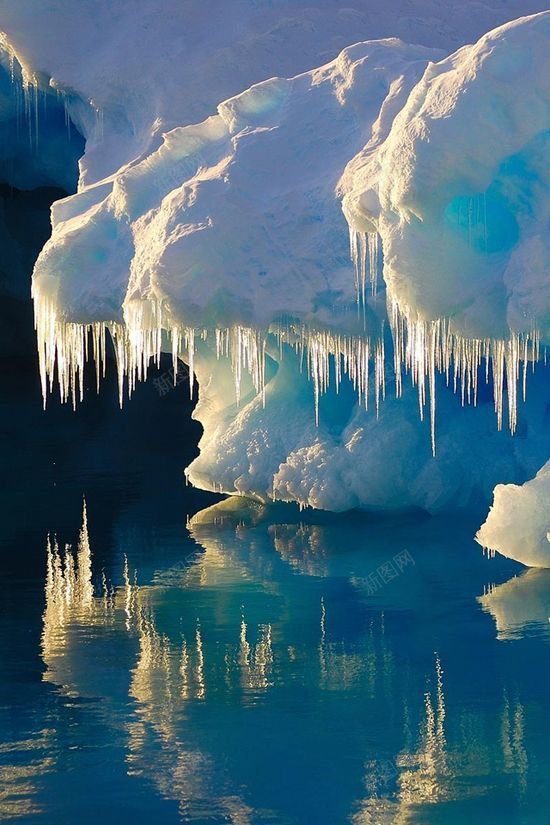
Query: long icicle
x,y
420,348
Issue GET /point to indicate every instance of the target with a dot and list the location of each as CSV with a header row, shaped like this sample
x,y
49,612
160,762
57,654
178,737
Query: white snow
x,y
459,189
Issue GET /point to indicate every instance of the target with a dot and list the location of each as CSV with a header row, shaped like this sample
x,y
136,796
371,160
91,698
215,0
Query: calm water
x,y
194,661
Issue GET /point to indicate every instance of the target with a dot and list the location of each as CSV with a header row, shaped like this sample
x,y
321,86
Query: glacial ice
x,y
346,256
518,523
463,222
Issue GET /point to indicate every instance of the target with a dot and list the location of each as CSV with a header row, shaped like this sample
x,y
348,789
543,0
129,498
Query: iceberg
x,y
518,523
459,189
352,259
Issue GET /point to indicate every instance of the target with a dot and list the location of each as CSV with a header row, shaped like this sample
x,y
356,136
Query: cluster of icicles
x,y
26,90
421,349
365,253
30,92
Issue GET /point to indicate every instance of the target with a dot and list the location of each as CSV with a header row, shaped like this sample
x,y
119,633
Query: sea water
x,y
167,656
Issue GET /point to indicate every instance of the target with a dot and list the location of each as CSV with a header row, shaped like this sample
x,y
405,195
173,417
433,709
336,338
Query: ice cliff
x,y
352,258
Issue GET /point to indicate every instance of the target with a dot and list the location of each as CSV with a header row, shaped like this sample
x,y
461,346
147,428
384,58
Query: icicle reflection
x,y
433,770
247,623
69,591
23,764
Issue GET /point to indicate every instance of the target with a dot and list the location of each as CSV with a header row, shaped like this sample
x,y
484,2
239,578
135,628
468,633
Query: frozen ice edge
x,y
421,349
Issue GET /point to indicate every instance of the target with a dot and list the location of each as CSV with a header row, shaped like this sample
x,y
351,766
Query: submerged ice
x,y
352,260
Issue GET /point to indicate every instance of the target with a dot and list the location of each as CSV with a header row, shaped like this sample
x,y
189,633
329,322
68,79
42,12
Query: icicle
x,y
365,254
191,359
421,349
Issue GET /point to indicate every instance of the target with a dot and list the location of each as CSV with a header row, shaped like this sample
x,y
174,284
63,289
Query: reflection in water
x,y
425,775
69,590
267,637
513,740
520,605
20,778
69,599
418,773
161,680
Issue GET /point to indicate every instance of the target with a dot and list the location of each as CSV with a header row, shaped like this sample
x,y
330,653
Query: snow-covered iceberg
x,y
459,189
223,235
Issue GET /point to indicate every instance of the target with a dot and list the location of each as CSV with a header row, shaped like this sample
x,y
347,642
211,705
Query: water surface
x,y
192,661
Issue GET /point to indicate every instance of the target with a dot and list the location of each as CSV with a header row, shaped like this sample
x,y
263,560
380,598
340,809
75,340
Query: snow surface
x,y
466,215
218,230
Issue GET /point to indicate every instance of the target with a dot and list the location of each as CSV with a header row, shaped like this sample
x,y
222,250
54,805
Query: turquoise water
x,y
190,660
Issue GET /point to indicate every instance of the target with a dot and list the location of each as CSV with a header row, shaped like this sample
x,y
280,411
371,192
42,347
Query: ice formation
x,y
463,219
518,524
330,251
